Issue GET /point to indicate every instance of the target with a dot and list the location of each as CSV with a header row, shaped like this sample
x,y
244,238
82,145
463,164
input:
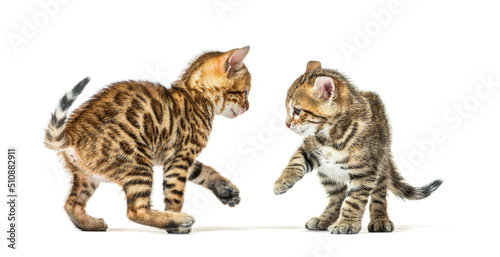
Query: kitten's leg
x,y
379,220
222,187
175,175
336,194
297,167
137,186
83,188
174,182
353,207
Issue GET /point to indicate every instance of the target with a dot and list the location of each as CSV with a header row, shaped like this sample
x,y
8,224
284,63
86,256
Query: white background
x,y
427,60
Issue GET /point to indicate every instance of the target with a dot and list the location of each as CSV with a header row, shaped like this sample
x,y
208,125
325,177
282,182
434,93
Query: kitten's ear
x,y
325,88
311,65
234,62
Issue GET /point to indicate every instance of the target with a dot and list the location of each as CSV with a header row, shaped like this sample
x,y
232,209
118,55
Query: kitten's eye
x,y
297,111
246,93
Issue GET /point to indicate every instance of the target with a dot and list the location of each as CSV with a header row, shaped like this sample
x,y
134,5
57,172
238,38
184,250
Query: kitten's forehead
x,y
242,80
300,89
302,98
299,92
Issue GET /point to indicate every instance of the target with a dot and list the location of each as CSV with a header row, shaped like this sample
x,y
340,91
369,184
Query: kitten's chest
x,y
331,163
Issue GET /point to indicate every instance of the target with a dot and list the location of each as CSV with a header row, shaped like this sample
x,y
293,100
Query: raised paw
x,y
381,225
284,183
345,227
318,224
226,192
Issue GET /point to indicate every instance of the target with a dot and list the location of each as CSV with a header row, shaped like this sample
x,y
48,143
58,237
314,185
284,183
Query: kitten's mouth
x,y
300,132
231,113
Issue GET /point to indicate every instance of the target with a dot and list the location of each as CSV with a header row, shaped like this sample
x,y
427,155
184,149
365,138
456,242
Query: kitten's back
x,y
378,117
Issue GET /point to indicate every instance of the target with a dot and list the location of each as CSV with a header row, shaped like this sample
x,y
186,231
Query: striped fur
x,y
131,126
55,137
347,139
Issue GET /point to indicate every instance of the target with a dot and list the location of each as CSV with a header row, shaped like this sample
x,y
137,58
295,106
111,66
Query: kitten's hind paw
x,y
101,225
381,225
89,223
318,224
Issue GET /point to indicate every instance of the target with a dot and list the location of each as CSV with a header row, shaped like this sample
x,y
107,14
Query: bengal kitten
x,y
130,126
347,139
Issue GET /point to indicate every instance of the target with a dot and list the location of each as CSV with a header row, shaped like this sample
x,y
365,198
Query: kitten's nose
x,y
287,124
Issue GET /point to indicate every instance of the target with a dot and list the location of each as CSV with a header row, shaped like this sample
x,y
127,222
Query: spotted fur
x,y
130,126
347,139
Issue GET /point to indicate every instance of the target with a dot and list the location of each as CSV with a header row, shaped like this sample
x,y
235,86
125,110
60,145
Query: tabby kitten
x,y
347,139
130,126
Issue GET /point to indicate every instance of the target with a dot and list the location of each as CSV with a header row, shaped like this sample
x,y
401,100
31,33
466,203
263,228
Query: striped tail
x,y
404,190
55,136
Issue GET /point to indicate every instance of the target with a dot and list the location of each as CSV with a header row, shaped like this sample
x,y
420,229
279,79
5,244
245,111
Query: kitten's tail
x,y
404,190
55,136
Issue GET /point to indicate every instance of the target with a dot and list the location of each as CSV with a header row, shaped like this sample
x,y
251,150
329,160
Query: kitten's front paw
x,y
180,220
316,223
283,184
279,188
381,225
181,223
226,192
345,227
179,230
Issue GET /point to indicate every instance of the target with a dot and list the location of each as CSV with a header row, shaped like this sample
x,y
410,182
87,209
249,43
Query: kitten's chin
x,y
305,132
231,113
